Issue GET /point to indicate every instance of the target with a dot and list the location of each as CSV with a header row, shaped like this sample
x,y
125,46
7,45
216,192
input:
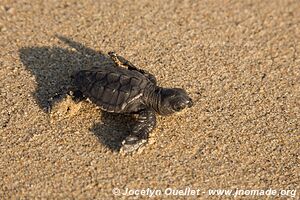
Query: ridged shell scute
x,y
111,88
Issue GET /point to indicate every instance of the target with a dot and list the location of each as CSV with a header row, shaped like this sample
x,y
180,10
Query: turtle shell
x,y
114,89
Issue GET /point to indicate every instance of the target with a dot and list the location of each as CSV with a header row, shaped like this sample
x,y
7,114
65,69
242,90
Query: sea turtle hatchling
x,y
126,89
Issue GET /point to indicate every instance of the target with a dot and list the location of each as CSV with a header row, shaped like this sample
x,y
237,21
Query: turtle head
x,y
174,100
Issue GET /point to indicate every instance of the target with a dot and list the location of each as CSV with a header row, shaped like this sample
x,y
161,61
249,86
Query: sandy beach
x,y
238,60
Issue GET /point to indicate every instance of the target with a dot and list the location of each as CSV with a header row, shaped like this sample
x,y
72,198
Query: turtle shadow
x,y
52,67
112,129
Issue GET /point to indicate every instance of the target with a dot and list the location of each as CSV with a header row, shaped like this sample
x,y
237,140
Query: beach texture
x,y
238,60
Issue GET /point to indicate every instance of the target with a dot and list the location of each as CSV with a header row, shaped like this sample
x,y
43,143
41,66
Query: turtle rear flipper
x,y
76,95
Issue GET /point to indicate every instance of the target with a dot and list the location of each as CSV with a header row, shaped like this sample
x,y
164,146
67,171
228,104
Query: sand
x,y
239,61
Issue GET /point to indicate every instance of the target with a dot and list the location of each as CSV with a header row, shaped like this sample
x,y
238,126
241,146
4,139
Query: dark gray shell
x,y
114,89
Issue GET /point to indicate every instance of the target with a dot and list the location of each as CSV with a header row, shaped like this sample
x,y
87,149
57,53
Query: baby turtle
x,y
126,89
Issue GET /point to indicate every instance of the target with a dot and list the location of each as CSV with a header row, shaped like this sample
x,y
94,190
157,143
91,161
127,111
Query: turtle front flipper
x,y
120,61
146,122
